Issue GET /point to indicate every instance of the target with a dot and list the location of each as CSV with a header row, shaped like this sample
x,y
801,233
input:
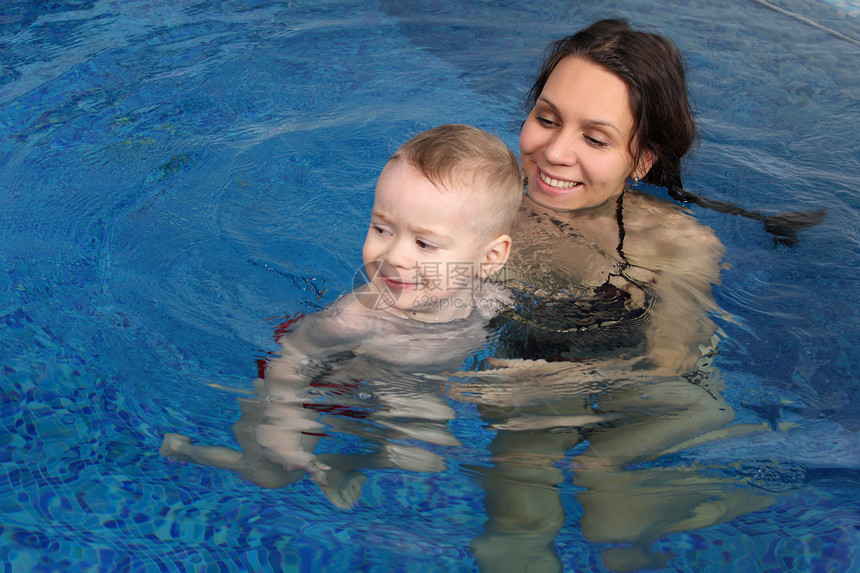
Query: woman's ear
x,y
644,165
496,255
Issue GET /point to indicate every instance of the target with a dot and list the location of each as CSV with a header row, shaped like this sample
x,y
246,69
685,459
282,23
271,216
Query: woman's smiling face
x,y
575,142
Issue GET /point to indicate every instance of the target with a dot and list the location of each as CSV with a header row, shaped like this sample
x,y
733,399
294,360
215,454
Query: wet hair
x,y
455,156
663,124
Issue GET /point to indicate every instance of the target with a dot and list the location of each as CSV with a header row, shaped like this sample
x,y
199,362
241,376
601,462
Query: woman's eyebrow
x,y
588,123
543,98
603,124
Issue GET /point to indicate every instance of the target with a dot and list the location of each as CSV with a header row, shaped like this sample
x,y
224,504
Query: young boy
x,y
442,211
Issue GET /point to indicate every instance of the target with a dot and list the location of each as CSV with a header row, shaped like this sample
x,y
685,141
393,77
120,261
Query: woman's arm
x,y
679,258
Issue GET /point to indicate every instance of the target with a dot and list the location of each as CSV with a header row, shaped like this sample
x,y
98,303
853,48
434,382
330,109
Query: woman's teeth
x,y
555,182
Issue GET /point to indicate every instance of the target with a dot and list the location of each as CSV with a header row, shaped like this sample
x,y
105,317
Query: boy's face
x,y
424,248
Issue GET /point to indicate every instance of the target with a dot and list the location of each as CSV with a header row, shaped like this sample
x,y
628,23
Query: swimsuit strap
x,y
623,264
619,218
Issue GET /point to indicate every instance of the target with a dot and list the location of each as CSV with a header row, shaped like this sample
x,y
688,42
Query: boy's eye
x,y
380,229
422,244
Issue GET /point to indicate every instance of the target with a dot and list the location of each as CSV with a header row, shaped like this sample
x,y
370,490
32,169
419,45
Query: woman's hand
x,y
516,382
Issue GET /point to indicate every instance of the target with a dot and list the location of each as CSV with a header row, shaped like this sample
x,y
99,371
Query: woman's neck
x,y
601,225
605,210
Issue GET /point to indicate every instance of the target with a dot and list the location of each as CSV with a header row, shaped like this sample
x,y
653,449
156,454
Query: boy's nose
x,y
399,255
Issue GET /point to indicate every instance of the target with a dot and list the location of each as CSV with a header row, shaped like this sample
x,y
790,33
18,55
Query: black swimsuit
x,y
568,327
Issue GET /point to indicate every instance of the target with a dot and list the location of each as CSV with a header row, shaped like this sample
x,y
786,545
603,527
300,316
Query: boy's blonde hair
x,y
454,155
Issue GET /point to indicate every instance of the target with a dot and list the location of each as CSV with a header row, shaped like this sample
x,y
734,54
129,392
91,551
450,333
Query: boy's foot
x,y
412,459
343,487
172,444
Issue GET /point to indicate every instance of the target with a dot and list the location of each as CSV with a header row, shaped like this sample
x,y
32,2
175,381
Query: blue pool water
x,y
178,178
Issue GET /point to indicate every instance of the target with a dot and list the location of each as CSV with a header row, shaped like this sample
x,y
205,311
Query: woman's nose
x,y
561,149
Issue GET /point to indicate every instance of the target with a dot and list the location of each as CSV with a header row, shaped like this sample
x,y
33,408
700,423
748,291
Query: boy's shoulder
x,y
491,299
346,317
352,324
339,326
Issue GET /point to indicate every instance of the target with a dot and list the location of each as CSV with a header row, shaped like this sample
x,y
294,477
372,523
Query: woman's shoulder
x,y
644,212
646,206
661,235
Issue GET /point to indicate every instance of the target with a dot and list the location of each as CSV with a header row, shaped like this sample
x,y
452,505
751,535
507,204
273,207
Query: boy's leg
x,y
249,462
180,447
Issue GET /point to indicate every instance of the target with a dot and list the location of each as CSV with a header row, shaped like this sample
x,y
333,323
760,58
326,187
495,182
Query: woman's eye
x,y
544,121
595,142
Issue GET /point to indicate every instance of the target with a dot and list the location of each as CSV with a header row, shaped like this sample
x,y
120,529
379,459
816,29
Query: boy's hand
x,y
317,471
282,445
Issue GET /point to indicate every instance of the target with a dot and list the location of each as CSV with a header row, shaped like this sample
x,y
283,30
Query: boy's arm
x,y
289,431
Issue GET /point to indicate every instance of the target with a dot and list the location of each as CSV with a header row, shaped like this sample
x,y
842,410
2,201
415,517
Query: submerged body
x,y
640,280
443,207
612,336
338,373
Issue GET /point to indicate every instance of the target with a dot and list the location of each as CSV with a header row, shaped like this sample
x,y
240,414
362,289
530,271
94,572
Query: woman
x,y
609,107
614,296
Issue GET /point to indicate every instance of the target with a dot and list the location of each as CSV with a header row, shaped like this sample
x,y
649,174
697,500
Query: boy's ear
x,y
496,255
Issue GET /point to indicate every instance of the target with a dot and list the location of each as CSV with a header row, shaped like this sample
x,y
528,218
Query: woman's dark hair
x,y
663,124
651,67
